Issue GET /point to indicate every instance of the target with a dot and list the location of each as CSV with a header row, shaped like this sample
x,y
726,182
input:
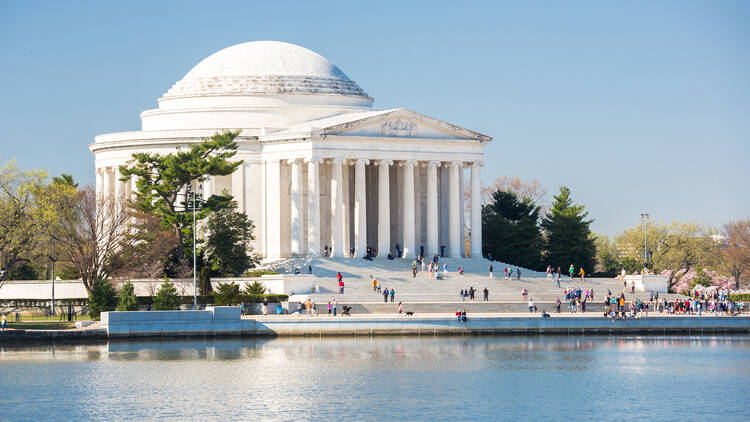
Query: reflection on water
x,y
374,378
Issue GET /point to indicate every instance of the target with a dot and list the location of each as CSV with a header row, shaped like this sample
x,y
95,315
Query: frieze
x,y
248,85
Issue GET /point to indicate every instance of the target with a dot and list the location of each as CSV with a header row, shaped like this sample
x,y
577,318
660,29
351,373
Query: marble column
x,y
337,209
99,181
476,211
273,209
107,184
208,187
384,208
360,208
313,207
408,209
296,208
431,219
345,195
454,210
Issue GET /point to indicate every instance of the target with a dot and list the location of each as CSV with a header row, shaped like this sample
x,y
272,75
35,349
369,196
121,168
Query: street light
x,y
195,274
644,219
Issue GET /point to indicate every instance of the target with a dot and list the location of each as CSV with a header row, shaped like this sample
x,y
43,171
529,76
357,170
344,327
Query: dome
x,y
265,67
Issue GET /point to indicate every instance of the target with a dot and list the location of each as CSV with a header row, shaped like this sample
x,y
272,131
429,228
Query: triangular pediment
x,y
401,123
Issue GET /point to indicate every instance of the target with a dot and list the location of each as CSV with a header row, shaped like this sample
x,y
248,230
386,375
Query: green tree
x,y
255,288
682,246
607,259
161,179
204,281
166,298
228,233
102,298
568,234
227,294
19,237
510,230
127,300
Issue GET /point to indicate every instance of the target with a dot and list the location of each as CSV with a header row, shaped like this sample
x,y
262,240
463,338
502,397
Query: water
x,y
473,378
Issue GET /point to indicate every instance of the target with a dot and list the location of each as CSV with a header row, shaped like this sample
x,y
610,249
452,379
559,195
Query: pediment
x,y
402,123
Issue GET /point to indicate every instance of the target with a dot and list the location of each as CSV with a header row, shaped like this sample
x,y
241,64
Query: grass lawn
x,y
43,318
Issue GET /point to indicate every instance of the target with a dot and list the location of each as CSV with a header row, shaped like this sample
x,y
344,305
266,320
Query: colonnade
x,y
409,209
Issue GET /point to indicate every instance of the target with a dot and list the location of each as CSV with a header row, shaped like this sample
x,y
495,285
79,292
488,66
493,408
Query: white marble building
x,y
321,167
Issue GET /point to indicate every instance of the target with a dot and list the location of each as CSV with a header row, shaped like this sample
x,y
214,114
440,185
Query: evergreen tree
x,y
166,298
568,234
161,180
510,232
204,281
127,300
228,234
102,298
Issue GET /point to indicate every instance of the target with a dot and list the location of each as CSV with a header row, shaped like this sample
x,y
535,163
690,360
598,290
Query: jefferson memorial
x,y
323,173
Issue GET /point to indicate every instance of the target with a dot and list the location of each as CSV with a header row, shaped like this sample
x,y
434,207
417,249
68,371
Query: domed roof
x,y
265,67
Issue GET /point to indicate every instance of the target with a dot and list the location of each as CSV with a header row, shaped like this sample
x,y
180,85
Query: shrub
x,y
255,288
127,300
166,299
102,298
740,296
258,273
702,279
227,294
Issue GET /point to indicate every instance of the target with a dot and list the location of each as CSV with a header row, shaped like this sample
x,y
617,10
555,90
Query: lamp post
x,y
195,274
644,219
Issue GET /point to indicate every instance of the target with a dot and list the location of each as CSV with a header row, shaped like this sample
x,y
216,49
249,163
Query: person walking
x,y
329,307
400,309
518,273
486,294
4,323
393,293
557,305
309,269
385,295
531,305
557,277
333,304
582,273
491,270
265,306
374,284
505,272
471,292
571,270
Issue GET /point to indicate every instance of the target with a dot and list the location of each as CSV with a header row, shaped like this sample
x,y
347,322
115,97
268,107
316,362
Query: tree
x,y
532,189
204,281
55,205
148,247
127,300
510,231
228,233
166,298
608,261
568,234
92,236
102,297
255,288
683,246
227,294
18,228
735,252
161,179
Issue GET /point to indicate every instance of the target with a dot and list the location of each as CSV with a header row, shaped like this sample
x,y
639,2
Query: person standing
x,y
486,294
309,269
582,273
333,304
518,273
491,270
385,295
329,307
557,305
557,277
505,272
265,306
400,309
531,305
393,293
4,323
571,270
414,269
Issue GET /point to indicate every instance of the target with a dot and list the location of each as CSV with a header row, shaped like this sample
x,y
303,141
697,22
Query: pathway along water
x,y
386,378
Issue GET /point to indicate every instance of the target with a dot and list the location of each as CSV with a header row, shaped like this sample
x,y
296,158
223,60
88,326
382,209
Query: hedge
x,y
258,273
209,299
739,296
259,298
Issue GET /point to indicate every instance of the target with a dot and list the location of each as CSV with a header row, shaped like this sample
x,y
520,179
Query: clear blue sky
x,y
636,105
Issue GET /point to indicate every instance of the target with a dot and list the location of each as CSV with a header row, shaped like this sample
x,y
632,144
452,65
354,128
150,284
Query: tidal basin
x,y
380,378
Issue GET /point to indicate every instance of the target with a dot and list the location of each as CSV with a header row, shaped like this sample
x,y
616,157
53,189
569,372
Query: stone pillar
x,y
454,210
384,208
432,229
313,207
296,208
107,184
360,208
345,192
273,209
337,208
476,211
99,181
208,187
408,209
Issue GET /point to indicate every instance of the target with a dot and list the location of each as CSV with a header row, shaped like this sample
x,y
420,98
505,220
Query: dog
x,y
410,313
